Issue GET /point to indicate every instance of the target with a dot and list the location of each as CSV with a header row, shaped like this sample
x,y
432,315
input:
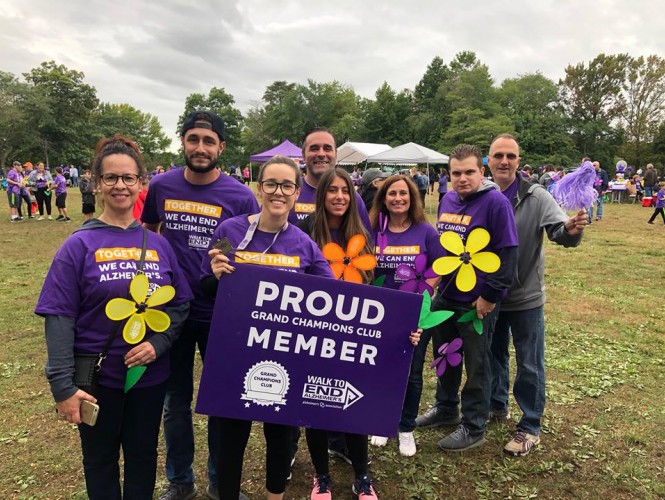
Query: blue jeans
x,y
178,428
649,191
599,210
476,353
129,422
528,332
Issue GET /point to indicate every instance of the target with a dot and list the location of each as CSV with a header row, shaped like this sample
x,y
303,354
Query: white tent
x,y
408,154
352,153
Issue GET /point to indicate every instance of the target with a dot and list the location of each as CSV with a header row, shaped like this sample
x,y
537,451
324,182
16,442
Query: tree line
x,y
609,108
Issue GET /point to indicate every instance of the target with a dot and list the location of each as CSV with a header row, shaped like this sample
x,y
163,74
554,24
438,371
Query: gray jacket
x,y
535,212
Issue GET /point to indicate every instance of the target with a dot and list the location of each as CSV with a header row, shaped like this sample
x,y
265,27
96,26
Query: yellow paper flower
x,y
138,311
468,257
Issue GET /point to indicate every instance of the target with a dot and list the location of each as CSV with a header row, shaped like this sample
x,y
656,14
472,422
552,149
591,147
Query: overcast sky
x,y
152,55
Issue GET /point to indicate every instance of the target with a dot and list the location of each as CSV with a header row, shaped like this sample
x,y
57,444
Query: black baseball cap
x,y
204,119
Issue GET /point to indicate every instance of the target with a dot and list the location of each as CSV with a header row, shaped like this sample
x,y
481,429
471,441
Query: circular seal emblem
x,y
266,384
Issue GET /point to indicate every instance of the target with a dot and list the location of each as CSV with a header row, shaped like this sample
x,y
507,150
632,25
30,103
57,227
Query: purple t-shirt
x,y
443,183
41,180
306,204
488,209
189,214
60,184
16,177
660,199
292,251
94,266
403,248
511,191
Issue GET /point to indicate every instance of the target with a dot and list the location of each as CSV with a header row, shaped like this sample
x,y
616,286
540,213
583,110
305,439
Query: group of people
x,y
25,182
187,210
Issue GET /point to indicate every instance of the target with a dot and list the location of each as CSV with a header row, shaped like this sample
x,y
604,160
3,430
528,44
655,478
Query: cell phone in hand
x,y
223,245
89,412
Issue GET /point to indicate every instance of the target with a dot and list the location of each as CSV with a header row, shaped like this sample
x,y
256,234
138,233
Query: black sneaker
x,y
60,217
363,488
435,417
497,416
179,492
67,219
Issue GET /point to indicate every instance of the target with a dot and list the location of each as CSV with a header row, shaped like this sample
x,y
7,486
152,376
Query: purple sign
x,y
302,350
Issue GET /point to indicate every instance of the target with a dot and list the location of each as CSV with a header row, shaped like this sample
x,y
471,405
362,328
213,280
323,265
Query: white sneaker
x,y
50,218
379,441
407,444
41,217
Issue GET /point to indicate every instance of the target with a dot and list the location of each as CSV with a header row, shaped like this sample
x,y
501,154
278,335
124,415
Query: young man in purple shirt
x,y
320,154
188,204
472,204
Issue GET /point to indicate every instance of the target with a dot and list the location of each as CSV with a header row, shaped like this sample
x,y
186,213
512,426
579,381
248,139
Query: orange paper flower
x,y
347,264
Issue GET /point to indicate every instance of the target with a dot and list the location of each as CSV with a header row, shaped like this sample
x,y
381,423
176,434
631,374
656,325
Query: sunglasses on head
x,y
499,156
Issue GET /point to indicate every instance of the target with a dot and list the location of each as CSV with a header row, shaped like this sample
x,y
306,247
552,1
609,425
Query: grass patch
x,y
603,429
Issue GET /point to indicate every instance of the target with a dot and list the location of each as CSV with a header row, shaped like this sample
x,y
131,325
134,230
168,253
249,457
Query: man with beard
x,y
320,154
186,205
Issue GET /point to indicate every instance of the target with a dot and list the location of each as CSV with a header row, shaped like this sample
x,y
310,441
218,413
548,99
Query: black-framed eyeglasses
x,y
270,187
127,179
499,156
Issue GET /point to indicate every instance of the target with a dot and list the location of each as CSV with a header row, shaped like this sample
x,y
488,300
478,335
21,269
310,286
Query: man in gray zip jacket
x,y
536,212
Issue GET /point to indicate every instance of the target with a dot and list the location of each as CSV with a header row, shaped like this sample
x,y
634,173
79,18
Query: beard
x,y
201,169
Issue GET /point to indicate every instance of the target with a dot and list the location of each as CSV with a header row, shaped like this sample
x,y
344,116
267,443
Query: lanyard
x,y
252,229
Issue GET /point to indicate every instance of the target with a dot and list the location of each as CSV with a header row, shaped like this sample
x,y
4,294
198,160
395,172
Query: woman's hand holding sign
x,y
415,337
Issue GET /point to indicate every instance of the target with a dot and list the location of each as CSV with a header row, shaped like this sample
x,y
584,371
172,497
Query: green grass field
x,y
604,425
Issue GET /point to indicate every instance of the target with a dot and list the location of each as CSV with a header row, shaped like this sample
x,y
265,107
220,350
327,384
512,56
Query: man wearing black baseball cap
x,y
371,181
188,204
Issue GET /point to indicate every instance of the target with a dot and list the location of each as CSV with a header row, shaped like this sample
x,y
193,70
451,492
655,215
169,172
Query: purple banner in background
x,y
307,351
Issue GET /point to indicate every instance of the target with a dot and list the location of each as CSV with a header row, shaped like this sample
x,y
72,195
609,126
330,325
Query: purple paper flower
x,y
576,190
413,278
449,356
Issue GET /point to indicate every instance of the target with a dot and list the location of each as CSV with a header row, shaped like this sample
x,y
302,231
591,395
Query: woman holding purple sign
x,y
406,247
121,364
336,220
265,238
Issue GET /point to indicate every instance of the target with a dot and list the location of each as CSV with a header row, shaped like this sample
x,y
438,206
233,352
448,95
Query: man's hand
x,y
576,224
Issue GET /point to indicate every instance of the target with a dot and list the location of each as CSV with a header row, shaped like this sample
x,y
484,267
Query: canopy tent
x,y
287,148
408,154
352,153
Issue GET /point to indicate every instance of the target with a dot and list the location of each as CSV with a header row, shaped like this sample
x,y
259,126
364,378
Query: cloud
x,y
154,54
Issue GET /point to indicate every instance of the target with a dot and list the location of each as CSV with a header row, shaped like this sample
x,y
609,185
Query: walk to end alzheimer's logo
x,y
329,392
266,384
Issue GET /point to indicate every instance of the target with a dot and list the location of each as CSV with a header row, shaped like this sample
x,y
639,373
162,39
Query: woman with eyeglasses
x,y
94,266
254,238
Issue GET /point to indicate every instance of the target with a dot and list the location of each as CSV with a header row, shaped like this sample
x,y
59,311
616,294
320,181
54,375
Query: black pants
x,y
317,442
43,199
131,422
655,214
25,197
233,437
476,353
